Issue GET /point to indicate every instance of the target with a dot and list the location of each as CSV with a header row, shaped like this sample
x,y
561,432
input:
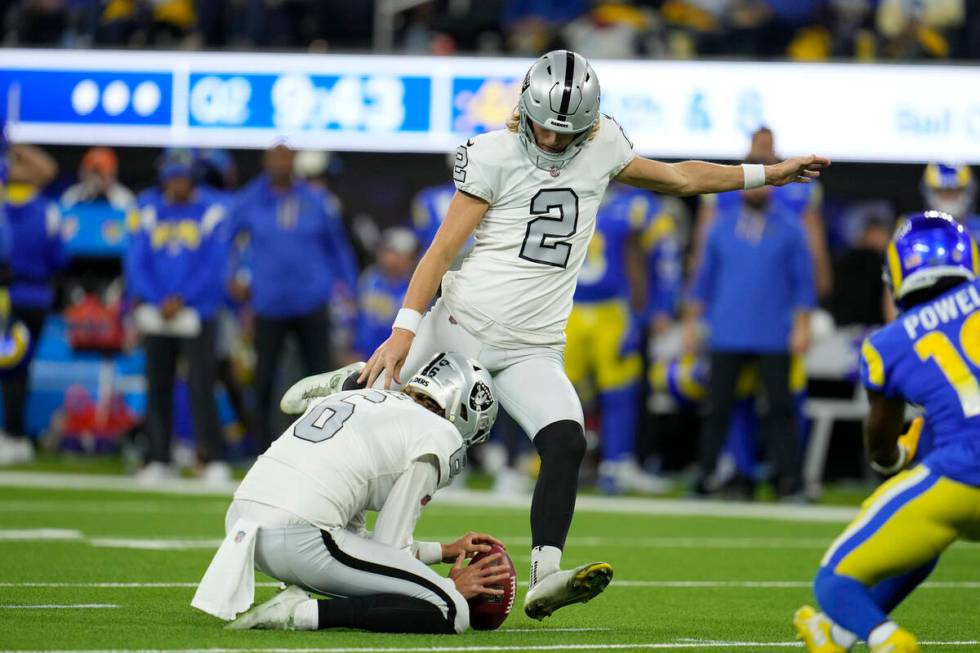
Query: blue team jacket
x,y
298,247
754,276
177,249
36,247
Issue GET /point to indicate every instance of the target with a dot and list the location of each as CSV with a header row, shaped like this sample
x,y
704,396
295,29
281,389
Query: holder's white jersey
x,y
345,454
514,288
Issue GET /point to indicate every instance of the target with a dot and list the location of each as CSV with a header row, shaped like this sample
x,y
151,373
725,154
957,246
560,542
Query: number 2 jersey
x,y
930,356
345,455
514,289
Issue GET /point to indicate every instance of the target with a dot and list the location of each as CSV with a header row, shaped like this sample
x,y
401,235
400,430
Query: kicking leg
x,y
536,392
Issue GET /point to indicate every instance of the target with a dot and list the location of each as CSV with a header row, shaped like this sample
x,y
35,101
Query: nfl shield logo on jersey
x,y
239,536
554,171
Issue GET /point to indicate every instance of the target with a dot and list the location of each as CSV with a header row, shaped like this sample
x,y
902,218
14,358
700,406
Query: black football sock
x,y
561,446
384,613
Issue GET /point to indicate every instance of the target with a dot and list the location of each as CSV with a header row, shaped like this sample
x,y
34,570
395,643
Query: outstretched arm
x,y
465,213
697,177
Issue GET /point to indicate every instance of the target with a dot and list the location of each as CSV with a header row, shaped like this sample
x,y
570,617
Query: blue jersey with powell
x,y
930,356
378,299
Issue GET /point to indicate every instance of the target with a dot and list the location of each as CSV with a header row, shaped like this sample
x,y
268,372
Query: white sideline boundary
x,y
463,498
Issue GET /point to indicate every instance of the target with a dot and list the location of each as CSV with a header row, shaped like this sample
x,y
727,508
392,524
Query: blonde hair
x,y
514,124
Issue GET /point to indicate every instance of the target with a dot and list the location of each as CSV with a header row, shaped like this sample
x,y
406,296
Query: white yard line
x,y
55,606
101,507
34,534
461,498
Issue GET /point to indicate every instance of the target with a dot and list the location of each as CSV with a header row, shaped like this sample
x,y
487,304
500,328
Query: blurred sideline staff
x,y
755,287
300,258
31,252
174,268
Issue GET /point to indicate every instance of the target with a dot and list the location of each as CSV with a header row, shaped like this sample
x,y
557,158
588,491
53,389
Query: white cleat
x,y
579,585
274,614
297,399
621,476
15,451
155,473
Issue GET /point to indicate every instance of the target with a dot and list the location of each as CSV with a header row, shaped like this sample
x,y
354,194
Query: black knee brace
x,y
561,446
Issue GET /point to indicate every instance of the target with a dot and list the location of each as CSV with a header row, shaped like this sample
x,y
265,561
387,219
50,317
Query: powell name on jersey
x,y
515,287
930,356
344,455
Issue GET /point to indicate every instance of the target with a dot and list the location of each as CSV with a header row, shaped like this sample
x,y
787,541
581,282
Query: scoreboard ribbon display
x,y
671,109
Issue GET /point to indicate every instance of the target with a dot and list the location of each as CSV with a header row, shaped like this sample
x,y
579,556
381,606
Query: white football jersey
x,y
514,289
344,455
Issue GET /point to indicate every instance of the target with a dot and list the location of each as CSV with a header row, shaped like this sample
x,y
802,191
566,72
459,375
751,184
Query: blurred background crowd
x,y
796,29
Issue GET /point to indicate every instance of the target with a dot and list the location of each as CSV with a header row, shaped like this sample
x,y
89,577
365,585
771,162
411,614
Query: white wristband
x,y
429,553
407,319
754,175
903,457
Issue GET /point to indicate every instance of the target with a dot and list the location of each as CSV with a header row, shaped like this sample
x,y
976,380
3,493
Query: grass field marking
x,y
119,585
34,534
65,606
121,506
468,499
151,544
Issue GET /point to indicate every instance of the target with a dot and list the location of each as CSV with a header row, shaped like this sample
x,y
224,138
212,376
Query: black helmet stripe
x,y
566,96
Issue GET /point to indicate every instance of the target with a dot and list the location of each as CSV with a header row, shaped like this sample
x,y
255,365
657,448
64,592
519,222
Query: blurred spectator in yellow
x,y
98,182
919,28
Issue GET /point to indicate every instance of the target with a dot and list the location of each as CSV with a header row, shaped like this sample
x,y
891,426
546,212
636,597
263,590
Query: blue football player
x,y
633,252
929,356
952,188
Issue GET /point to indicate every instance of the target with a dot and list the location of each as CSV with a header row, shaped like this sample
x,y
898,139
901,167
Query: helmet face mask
x,y
462,391
929,250
560,93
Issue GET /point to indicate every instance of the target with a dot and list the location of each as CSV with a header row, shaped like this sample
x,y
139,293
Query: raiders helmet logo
x,y
480,396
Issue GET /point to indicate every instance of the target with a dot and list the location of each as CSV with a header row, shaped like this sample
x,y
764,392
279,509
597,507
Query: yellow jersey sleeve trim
x,y
661,227
876,365
894,267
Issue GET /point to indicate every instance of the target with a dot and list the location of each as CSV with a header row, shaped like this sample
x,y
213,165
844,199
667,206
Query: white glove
x,y
297,399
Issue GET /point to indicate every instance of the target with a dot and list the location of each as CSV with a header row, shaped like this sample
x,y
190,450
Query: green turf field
x,y
682,583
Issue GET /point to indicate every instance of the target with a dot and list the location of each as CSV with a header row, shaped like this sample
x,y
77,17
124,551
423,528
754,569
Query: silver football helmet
x,y
561,93
461,389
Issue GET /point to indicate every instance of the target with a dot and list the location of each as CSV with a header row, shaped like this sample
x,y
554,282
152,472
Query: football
x,y
488,612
